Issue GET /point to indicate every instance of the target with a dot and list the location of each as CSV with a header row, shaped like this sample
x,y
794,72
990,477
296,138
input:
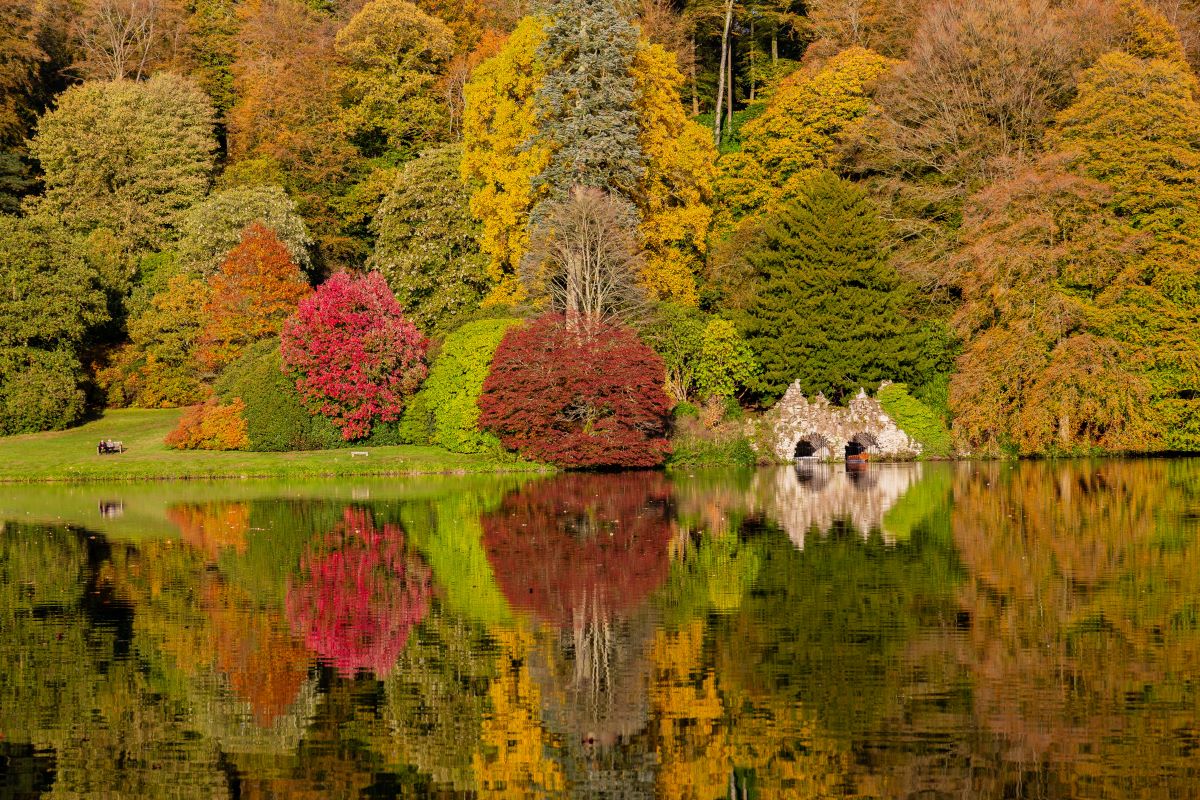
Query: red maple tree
x,y
354,355
577,394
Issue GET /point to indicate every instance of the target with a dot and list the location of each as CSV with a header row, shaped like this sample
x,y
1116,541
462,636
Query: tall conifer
x,y
829,308
587,99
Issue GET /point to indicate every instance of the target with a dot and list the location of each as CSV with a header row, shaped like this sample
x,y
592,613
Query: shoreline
x,y
70,457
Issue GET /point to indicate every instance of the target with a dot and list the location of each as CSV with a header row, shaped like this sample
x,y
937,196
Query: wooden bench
x,y
109,447
359,454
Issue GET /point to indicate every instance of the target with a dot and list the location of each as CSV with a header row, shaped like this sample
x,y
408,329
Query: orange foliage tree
x,y
255,290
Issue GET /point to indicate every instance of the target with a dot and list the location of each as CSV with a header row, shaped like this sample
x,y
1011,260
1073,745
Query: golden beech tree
x,y
800,132
676,192
499,119
800,129
255,290
392,55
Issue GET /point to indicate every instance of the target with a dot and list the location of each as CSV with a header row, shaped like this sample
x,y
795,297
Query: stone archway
x,y
812,446
797,429
862,443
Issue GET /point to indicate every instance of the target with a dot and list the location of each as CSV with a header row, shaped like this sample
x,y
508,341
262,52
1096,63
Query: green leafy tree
x,y
393,54
51,301
210,229
40,390
587,99
726,363
829,311
703,355
427,246
50,297
130,157
276,421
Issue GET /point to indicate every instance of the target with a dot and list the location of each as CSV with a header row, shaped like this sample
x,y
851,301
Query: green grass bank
x,y
70,456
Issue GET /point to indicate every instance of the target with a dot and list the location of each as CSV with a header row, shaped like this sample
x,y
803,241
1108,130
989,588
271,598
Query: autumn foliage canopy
x,y
257,287
587,394
353,354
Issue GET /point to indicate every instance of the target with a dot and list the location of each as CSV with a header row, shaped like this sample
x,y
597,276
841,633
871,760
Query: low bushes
x,y
446,412
211,426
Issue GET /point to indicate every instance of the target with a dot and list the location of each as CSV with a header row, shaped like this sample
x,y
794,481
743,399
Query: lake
x,y
897,631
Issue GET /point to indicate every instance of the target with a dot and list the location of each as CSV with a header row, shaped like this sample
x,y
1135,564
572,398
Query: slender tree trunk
x,y
753,54
774,46
729,94
695,89
722,72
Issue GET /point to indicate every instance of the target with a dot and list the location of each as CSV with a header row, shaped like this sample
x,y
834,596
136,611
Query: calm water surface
x,y
918,631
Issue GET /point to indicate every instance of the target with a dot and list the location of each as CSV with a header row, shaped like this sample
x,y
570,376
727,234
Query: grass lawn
x,y
71,456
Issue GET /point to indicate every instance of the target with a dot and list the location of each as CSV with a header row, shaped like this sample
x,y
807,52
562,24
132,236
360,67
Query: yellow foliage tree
x,y
500,119
690,736
676,191
802,128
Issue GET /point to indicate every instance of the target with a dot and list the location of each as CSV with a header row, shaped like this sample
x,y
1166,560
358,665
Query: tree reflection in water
x,y
583,553
358,595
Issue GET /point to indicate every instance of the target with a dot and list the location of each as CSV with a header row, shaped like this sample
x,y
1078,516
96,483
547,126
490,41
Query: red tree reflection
x,y
574,542
359,595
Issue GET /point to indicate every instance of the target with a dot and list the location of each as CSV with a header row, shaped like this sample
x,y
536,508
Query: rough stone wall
x,y
829,428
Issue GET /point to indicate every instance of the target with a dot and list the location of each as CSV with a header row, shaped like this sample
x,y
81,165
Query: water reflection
x,y
912,631
813,497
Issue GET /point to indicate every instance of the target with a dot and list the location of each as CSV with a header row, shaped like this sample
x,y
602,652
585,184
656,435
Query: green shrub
x,y
445,412
416,426
275,419
39,390
686,410
917,420
694,445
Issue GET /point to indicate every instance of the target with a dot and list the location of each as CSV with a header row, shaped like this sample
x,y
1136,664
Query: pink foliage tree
x,y
354,355
359,595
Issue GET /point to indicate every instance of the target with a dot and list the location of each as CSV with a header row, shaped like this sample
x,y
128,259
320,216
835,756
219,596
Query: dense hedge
x,y
275,419
917,420
445,412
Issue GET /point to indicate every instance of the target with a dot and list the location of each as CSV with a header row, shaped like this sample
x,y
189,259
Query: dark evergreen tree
x,y
829,309
587,99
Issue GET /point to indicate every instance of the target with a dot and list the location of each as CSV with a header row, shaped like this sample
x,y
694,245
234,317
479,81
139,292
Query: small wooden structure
x,y
109,447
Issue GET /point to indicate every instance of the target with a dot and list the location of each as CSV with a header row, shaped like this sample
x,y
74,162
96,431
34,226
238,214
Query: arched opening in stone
x,y
861,446
813,446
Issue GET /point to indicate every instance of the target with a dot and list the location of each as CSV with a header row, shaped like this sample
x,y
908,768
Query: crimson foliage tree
x,y
580,394
354,355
